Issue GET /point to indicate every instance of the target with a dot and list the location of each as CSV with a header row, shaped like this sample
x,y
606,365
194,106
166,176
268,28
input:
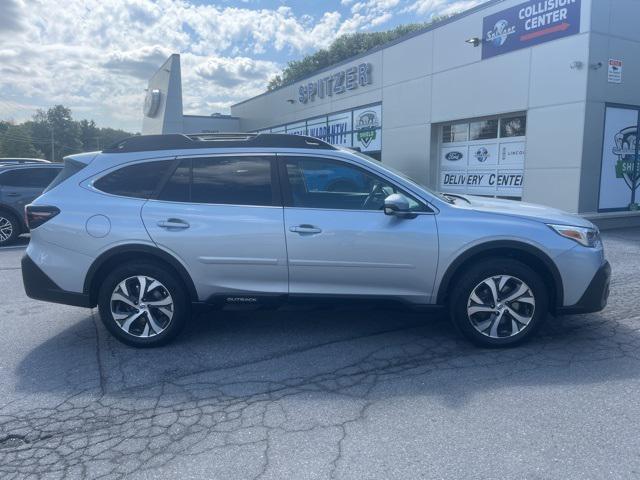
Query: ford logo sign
x,y
454,156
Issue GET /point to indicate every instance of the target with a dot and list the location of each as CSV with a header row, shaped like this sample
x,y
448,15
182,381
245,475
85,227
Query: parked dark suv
x,y
20,184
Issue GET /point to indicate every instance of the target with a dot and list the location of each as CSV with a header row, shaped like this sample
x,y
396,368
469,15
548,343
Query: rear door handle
x,y
12,194
173,223
305,229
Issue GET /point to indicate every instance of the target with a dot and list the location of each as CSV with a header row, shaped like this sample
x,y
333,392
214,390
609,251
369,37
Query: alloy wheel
x,y
142,306
6,229
501,306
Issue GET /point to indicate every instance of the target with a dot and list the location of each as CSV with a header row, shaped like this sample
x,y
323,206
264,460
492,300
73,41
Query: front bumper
x,y
40,287
595,296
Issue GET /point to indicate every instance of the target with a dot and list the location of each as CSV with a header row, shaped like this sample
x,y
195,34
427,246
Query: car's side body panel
x,y
362,253
251,249
226,248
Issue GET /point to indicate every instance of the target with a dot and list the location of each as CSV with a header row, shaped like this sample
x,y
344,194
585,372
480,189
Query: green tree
x,y
109,136
343,47
89,135
16,141
66,131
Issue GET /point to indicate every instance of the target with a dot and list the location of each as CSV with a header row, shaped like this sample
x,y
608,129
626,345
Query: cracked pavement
x,y
345,393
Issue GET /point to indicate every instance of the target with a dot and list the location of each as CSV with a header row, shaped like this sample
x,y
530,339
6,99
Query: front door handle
x,y
173,223
12,194
305,229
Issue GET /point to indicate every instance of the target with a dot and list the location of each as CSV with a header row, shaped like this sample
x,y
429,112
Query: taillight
x,y
36,215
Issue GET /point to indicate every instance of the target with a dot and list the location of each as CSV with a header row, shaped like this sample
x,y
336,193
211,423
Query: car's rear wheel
x,y
143,305
9,228
499,303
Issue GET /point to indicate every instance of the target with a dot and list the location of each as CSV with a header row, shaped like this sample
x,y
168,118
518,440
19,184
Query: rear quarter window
x,y
71,167
141,180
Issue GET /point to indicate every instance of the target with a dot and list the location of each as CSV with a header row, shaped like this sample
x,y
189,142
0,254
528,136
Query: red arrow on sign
x,y
556,28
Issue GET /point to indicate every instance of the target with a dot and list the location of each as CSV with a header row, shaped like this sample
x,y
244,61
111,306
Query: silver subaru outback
x,y
156,226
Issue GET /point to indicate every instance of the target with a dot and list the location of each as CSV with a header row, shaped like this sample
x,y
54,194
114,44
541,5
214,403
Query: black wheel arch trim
x,y
144,249
477,250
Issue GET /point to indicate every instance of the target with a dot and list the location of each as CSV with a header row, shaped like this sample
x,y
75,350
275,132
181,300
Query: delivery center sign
x,y
528,24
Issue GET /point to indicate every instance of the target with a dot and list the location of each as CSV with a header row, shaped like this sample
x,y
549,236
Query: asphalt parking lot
x,y
333,393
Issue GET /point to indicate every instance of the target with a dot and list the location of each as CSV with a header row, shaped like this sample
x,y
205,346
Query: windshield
x,y
402,175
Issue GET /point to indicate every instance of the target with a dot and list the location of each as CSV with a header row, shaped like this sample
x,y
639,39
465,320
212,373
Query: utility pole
x,y
53,151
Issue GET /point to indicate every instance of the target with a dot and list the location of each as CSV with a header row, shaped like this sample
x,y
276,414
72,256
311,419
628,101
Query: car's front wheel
x,y
499,303
9,228
143,305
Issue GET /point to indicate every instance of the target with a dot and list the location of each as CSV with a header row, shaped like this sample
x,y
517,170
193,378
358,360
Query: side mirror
x,y
397,205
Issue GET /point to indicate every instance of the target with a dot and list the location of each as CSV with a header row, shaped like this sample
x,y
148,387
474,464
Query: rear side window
x,y
29,177
223,181
141,180
178,187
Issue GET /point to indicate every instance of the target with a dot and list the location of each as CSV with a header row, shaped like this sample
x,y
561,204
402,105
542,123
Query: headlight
x,y
588,237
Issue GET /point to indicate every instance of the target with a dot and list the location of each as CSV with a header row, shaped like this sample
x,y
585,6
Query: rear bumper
x,y
595,296
39,286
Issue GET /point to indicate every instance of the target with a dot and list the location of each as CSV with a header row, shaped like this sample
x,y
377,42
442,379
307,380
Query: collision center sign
x,y
528,24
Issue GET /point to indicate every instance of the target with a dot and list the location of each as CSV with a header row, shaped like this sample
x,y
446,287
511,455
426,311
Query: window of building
x,y
483,129
141,180
513,126
458,132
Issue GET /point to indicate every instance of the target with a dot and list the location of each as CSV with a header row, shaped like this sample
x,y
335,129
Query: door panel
x,y
361,253
226,248
223,217
340,242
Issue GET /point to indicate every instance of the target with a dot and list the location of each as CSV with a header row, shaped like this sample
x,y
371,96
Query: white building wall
x,y
436,77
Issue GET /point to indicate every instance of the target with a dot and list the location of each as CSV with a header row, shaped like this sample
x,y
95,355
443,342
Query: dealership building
x,y
536,100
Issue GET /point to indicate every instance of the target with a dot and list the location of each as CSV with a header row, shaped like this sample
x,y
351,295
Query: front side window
x,y
221,180
141,180
331,184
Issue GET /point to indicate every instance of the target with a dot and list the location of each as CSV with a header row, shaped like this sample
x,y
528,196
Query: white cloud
x,y
434,8
231,72
96,55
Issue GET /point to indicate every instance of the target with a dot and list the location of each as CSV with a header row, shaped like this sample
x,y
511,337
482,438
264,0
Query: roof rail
x,y
177,141
7,161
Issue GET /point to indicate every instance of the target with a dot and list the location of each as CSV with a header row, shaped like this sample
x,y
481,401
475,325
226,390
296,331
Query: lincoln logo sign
x,y
529,24
336,83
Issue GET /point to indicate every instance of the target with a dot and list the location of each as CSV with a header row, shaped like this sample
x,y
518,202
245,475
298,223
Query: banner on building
x,y
528,24
620,170
360,128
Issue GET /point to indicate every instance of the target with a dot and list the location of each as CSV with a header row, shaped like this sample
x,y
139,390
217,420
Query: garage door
x,y
484,156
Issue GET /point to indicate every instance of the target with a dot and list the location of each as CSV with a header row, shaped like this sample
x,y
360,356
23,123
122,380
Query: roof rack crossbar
x,y
178,141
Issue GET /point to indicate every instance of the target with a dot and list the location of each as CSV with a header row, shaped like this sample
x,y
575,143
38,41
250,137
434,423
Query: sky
x,y
96,56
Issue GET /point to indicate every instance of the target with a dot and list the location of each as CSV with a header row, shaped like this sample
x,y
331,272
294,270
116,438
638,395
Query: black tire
x,y
180,307
10,220
471,280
